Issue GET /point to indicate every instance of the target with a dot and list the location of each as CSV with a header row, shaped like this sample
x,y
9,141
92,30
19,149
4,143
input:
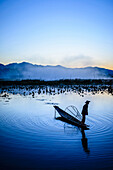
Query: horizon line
x,y
104,67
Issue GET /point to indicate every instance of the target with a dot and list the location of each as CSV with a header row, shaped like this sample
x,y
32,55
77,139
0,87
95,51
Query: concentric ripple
x,y
29,131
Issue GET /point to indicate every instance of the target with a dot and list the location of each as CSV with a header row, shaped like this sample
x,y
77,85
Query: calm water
x,y
30,137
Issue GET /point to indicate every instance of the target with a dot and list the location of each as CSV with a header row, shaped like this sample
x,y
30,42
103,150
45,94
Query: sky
x,y
71,33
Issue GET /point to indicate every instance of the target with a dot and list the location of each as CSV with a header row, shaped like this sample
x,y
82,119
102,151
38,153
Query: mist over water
x,y
30,136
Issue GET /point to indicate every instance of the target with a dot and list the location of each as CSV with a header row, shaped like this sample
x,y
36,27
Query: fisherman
x,y
85,111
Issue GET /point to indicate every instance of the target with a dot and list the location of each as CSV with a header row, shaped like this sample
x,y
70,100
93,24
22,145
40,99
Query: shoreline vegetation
x,y
58,82
37,87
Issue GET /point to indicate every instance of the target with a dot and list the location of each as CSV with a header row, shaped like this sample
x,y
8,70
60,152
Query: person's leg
x,y
83,119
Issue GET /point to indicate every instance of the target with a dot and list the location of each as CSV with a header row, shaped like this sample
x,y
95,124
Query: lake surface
x,y
31,138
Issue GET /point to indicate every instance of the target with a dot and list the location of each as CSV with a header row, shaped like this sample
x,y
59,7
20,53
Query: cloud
x,y
78,61
40,59
68,61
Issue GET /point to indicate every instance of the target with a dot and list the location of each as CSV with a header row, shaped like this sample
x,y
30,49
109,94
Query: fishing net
x,y
73,111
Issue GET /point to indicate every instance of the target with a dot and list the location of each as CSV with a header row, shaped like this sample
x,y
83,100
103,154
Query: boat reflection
x,y
84,139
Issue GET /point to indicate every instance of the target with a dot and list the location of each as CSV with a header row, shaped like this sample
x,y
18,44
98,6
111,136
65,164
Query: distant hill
x,y
24,70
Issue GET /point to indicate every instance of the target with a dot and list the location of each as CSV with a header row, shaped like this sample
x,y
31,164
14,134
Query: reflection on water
x,y
30,137
84,140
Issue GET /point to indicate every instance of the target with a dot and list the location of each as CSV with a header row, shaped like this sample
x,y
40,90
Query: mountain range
x,y
24,70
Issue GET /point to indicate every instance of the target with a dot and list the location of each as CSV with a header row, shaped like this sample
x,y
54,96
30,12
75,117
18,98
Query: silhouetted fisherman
x,y
85,111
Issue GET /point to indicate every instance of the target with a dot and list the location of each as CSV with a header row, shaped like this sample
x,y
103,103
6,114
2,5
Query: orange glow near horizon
x,y
110,67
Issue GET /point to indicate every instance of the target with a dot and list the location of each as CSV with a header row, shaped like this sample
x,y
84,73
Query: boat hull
x,y
70,118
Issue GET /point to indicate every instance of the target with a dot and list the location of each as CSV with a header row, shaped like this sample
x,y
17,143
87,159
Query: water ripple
x,y
34,130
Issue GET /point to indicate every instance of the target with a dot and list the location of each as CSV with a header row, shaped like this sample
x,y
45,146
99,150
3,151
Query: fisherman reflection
x,y
84,142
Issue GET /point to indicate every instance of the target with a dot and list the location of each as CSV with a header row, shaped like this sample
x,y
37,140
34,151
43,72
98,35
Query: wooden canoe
x,y
70,118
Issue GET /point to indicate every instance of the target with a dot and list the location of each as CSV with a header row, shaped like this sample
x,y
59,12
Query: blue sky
x,y
72,33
